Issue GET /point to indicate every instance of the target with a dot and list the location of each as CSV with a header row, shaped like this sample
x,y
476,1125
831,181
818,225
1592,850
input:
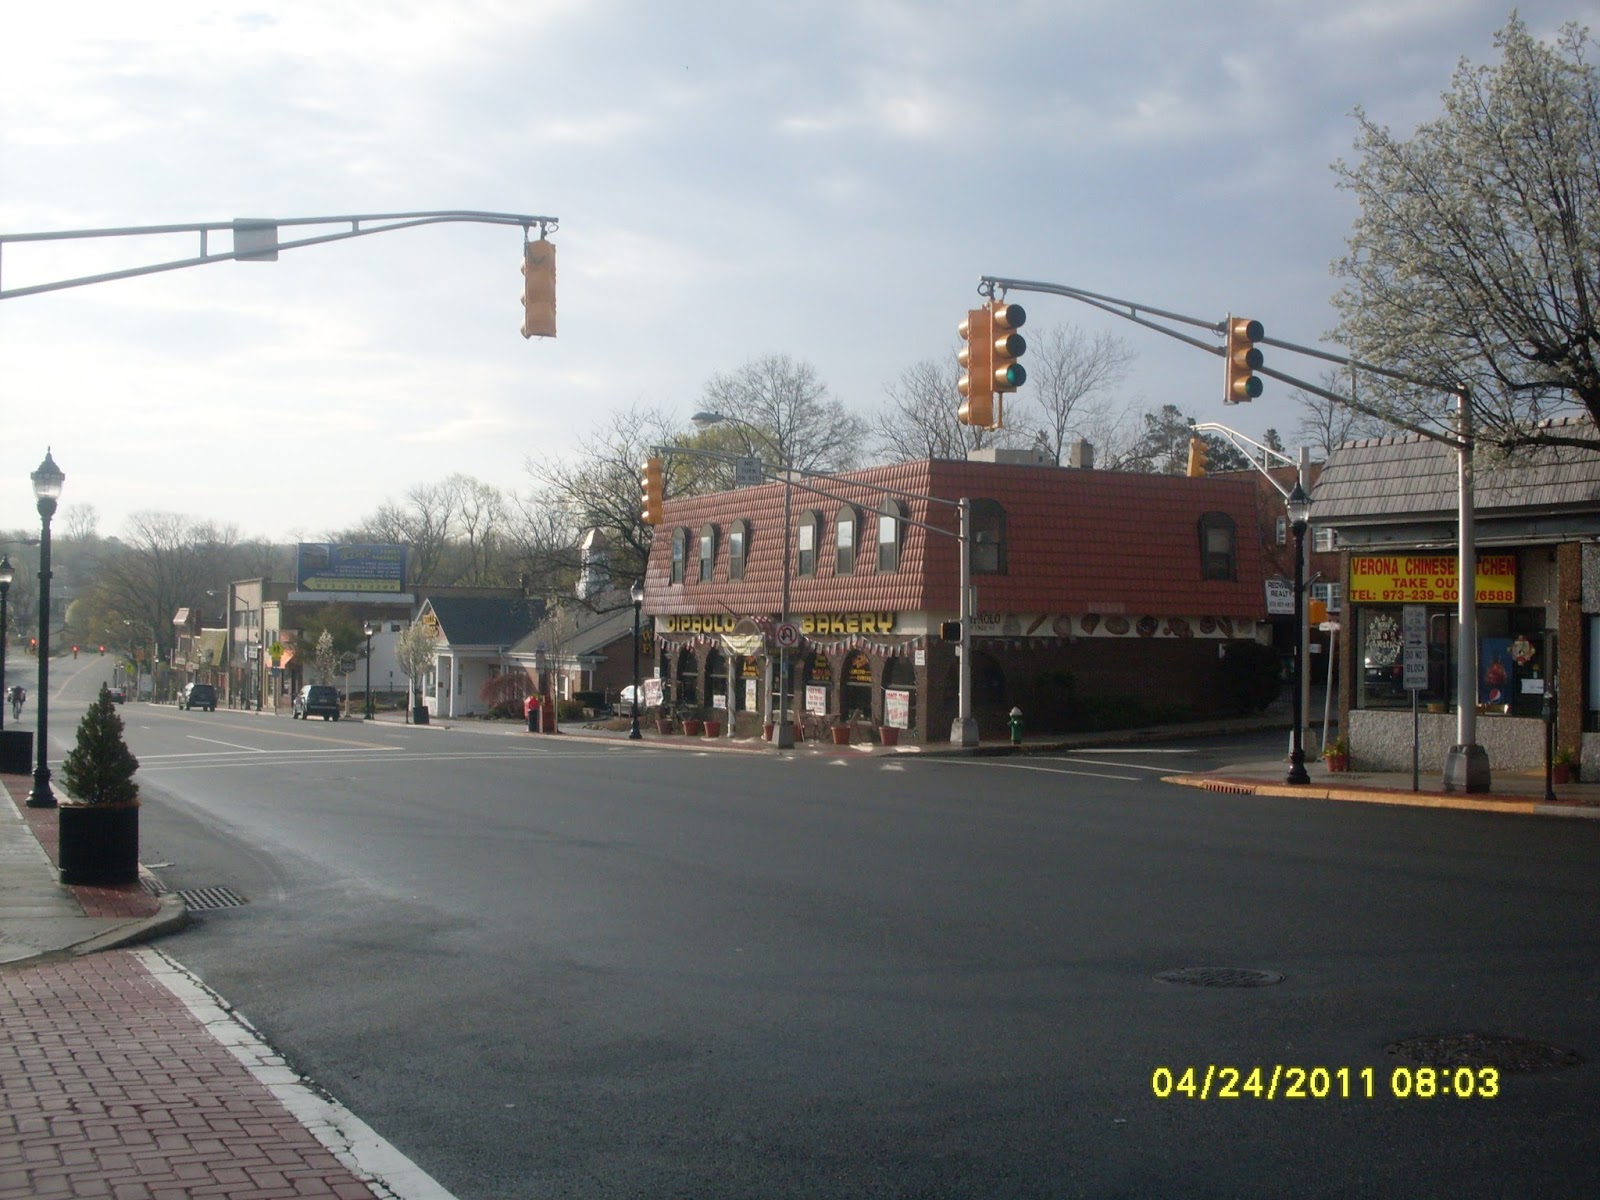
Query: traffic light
x,y
977,357
1009,345
1197,457
652,484
33,645
539,289
1242,359
102,649
949,631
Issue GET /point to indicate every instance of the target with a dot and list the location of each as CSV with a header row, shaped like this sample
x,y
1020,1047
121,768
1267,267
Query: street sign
x,y
747,472
1414,624
787,634
1280,598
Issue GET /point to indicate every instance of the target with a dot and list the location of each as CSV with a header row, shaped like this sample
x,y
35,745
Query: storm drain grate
x,y
1512,1054
1221,977
152,885
195,899
1232,789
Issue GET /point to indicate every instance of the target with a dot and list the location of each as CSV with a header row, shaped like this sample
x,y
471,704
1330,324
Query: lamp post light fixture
x,y
636,594
370,628
47,481
7,574
1299,506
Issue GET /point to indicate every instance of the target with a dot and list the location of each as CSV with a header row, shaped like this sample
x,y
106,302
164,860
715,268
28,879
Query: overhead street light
x,y
370,628
636,594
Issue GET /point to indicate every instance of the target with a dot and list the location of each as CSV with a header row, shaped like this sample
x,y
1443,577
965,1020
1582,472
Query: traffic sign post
x,y
1414,651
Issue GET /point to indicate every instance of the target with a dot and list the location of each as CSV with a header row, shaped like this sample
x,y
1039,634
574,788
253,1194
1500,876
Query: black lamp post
x,y
637,596
7,574
370,628
1299,506
47,481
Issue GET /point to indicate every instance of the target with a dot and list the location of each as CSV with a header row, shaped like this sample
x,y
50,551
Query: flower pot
x,y
692,727
889,735
713,729
1560,773
663,724
99,844
1337,762
841,735
766,732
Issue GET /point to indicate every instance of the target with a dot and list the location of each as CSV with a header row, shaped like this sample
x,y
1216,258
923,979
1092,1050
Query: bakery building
x,y
1092,589
1394,505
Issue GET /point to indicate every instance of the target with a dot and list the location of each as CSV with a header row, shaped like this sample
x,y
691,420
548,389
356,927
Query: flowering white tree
x,y
1475,260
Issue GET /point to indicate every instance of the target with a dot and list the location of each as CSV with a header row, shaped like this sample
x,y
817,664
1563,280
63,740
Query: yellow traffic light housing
x,y
1008,374
539,289
977,357
1197,457
652,485
1241,360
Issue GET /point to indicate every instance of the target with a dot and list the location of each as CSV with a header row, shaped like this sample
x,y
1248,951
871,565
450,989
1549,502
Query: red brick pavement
x,y
111,1087
128,900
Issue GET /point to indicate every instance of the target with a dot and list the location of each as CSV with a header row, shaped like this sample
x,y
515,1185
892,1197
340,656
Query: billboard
x,y
329,568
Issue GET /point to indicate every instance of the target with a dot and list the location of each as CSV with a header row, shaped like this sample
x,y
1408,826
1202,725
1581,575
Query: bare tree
x,y
919,420
1474,258
795,422
1328,423
1069,372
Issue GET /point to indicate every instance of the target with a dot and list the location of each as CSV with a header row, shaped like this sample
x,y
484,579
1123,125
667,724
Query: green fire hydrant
x,y
1016,727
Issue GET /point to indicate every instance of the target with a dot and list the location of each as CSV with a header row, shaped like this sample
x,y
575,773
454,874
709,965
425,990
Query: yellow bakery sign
x,y
1428,579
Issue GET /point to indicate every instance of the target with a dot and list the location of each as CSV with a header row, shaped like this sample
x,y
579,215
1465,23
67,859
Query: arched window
x,y
844,541
1217,537
988,538
680,553
708,552
806,544
738,547
889,526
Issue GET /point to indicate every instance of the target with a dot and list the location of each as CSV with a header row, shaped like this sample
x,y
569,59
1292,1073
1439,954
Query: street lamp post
x,y
1299,506
636,594
47,481
370,628
6,576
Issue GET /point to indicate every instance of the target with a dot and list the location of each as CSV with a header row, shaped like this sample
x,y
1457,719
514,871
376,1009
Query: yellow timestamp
x,y
1282,1082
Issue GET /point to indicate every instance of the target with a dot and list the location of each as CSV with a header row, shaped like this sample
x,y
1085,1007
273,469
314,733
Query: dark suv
x,y
198,695
316,700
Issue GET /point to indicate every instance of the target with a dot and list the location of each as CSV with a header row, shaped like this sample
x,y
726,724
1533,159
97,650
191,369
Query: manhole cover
x,y
1225,977
196,899
1484,1050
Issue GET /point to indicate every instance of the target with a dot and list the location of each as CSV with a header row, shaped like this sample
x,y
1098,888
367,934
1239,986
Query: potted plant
x,y
1564,764
692,720
713,726
1337,754
840,731
99,834
663,721
889,735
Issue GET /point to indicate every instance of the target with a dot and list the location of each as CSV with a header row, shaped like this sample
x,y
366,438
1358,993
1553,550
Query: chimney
x,y
1081,455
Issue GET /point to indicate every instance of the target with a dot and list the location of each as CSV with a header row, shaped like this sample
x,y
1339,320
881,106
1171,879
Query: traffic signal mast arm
x,y
256,239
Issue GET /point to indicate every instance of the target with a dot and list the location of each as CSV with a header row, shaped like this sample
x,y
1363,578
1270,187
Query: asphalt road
x,y
546,967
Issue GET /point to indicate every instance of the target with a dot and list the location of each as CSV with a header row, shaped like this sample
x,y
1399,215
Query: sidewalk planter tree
x,y
99,834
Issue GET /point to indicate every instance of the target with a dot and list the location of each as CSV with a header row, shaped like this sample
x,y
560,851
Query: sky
x,y
824,180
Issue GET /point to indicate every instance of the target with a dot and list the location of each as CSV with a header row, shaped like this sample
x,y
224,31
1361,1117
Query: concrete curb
x,y
172,916
1239,785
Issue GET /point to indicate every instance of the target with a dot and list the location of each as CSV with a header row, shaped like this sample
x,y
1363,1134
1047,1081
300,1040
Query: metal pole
x,y
1466,767
1297,752
42,796
5,591
369,672
783,730
1302,554
633,729
964,732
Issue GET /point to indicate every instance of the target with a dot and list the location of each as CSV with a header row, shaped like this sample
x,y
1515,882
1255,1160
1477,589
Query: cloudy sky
x,y
821,179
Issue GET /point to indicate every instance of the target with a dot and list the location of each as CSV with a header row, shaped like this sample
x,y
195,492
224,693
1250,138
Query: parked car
x,y
198,695
118,695
316,700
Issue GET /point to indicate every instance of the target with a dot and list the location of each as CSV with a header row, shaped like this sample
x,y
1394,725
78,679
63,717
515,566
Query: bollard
x,y
1016,727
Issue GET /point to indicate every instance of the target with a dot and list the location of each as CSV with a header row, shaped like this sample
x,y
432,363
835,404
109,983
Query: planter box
x,y
16,751
663,725
693,728
99,844
713,729
841,734
889,735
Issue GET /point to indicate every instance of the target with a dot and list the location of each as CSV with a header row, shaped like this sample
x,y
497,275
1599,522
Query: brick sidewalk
x,y
110,1086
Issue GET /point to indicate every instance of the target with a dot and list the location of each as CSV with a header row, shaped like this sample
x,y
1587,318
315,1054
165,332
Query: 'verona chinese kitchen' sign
x,y
1428,579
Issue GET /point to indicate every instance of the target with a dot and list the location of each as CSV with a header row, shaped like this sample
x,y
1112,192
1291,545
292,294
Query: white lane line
x,y
1017,766
231,745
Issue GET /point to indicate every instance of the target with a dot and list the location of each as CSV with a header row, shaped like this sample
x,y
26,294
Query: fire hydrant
x,y
1016,727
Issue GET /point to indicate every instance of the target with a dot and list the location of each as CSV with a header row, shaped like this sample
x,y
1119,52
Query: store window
x,y
738,542
988,537
1217,534
844,541
889,526
708,552
1513,659
680,554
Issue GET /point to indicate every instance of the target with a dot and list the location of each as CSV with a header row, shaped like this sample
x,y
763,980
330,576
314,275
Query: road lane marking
x,y
1018,766
234,745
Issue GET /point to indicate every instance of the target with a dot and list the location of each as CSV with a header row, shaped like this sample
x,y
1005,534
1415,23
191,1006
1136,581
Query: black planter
x,y
419,715
99,844
16,751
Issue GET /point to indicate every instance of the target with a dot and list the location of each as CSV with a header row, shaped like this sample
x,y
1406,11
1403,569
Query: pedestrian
x,y
17,696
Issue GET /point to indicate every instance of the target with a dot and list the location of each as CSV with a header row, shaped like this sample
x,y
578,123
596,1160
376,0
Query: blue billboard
x,y
327,567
